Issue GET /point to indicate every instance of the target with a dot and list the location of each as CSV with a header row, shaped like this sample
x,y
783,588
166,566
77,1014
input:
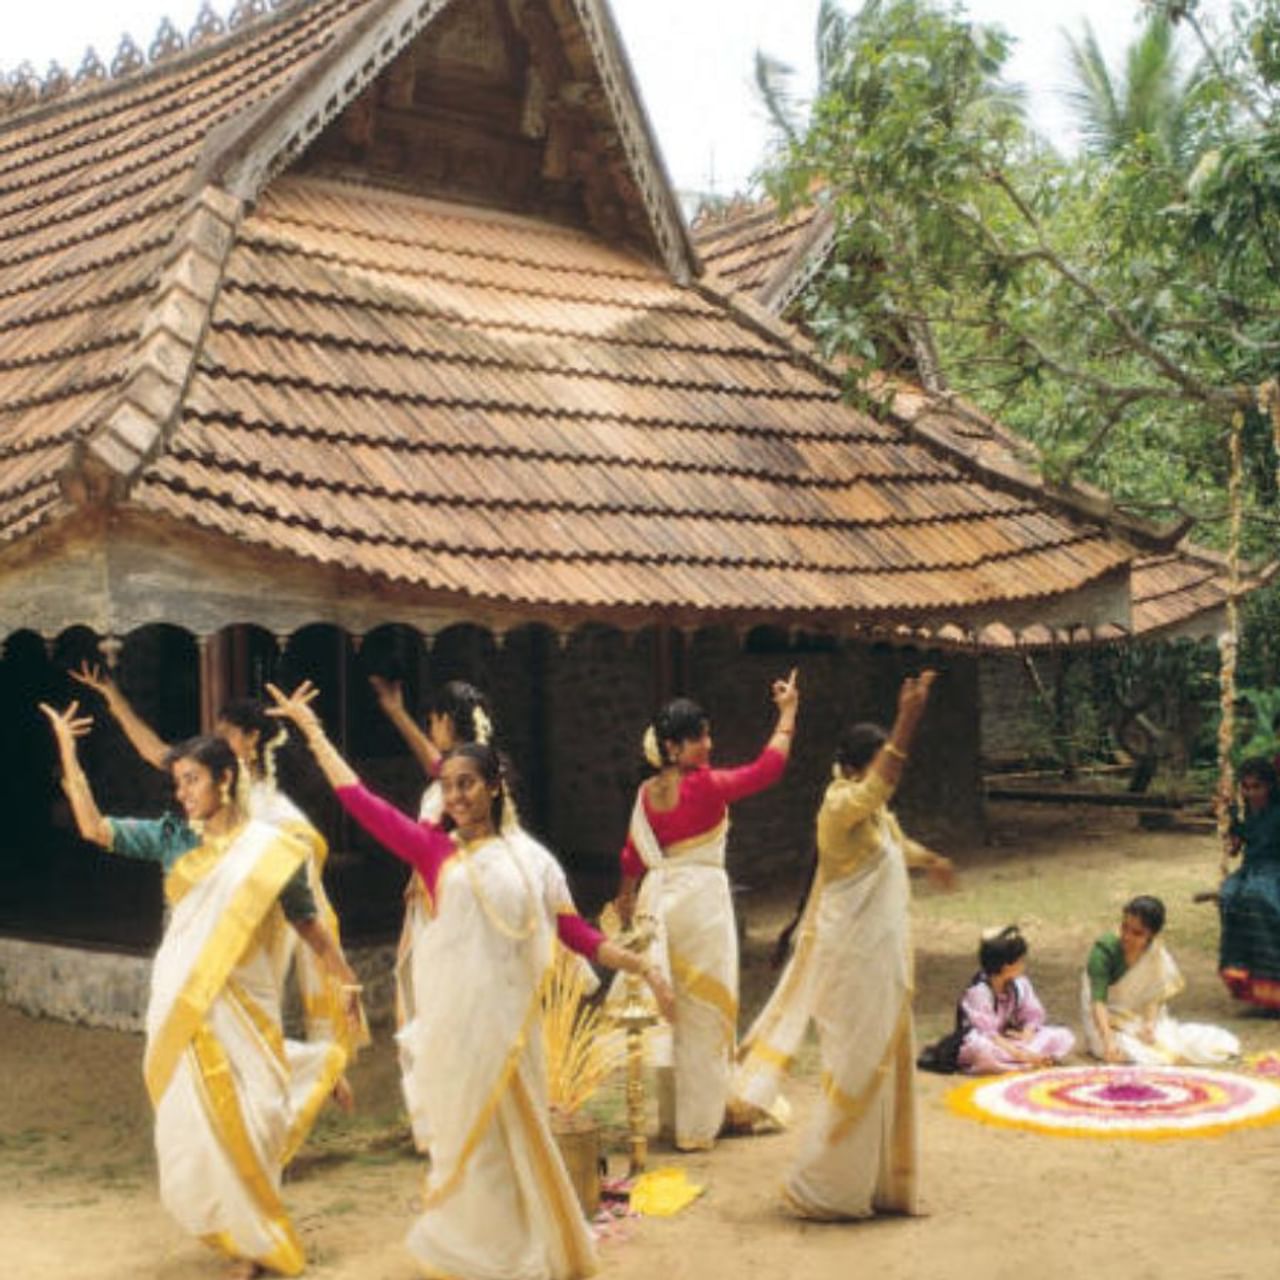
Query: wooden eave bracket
x,y
140,416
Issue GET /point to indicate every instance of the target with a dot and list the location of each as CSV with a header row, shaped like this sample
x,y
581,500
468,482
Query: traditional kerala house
x,y
356,334
1179,591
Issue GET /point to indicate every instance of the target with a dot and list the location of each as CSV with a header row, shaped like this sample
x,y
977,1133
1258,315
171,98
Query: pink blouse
x,y
427,847
705,797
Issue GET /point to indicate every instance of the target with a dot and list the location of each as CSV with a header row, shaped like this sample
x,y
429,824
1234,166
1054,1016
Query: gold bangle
x,y
896,752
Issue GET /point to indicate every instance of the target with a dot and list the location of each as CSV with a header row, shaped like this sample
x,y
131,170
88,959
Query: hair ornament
x,y
649,745
1000,931
269,755
482,724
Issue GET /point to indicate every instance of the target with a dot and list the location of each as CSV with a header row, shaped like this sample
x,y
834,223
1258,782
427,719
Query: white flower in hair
x,y
483,725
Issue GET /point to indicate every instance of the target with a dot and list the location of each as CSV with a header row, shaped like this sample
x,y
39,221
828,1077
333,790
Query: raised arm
x,y
913,697
146,742
390,695
771,763
424,846
297,707
67,726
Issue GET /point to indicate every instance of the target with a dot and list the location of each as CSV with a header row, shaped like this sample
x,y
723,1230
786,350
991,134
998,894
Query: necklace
x,y
517,933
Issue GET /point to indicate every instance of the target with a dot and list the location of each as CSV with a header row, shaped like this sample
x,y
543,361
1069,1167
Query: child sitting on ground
x,y
999,1021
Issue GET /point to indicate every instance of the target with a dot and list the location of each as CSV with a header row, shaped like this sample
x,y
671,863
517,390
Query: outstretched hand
x,y
296,706
390,693
67,725
662,993
914,692
94,677
786,693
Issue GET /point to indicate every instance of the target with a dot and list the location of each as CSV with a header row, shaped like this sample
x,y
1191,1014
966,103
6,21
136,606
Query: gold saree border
x,y
218,1093
852,1107
235,930
706,988
434,1196
566,1211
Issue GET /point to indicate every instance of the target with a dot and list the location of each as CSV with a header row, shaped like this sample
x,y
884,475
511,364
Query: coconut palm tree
x,y
1150,102
831,37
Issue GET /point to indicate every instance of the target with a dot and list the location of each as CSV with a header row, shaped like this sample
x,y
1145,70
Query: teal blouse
x,y
165,840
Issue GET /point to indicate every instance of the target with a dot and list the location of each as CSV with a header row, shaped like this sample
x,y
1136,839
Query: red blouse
x,y
427,847
705,797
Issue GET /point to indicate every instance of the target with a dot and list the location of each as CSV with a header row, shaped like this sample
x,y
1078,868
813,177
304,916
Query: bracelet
x,y
896,752
352,987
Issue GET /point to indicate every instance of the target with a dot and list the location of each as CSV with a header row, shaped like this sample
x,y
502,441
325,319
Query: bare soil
x,y
78,1198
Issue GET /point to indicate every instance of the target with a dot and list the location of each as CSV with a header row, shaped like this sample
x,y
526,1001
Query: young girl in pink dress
x,y
1002,1021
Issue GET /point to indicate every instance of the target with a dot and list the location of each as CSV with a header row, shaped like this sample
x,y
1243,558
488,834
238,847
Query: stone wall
x,y
109,989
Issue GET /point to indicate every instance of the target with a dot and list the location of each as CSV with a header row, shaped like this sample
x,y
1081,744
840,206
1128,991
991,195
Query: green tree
x,y
1118,308
1151,103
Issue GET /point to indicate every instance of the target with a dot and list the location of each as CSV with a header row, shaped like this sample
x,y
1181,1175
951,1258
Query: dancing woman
x,y
498,1202
215,1065
317,1065
673,871
852,974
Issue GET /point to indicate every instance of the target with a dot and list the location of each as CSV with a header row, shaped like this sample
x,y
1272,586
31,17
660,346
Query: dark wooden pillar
x,y
213,678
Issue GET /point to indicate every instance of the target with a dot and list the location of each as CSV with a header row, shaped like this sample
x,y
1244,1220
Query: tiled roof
x,y
90,193
754,249
747,246
486,404
465,402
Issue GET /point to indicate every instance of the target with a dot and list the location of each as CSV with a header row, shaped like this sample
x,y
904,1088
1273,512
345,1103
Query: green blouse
x,y
1106,965
165,840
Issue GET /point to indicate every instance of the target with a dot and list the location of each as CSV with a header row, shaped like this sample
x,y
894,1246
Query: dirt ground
x,y
78,1198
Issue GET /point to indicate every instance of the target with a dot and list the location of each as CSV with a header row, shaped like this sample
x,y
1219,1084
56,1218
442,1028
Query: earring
x,y
224,790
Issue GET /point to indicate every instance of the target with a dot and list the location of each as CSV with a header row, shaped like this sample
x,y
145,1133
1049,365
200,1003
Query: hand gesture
x,y
914,692
95,678
390,694
785,693
942,873
67,725
296,706
662,993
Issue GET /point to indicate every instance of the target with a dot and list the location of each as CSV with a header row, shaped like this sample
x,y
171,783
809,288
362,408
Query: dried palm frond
x,y
580,1049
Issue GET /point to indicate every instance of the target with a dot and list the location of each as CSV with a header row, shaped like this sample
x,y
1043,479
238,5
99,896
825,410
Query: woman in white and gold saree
x,y
317,1064
216,1066
673,873
852,974
498,1204
458,713
1129,978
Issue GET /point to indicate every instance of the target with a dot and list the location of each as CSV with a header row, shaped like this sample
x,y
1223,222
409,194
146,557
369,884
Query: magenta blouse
x,y
427,847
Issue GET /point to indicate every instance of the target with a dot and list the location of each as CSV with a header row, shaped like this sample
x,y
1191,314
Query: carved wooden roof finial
x,y
91,70
207,26
167,42
128,58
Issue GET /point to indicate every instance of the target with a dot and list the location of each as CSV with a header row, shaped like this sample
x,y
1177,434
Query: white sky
x,y
693,59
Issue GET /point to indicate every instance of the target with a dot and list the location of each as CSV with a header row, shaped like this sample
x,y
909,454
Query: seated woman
x,y
1249,954
1127,982
1001,1023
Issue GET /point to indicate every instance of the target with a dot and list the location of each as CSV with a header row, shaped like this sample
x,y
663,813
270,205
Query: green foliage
x,y
1119,308
1263,724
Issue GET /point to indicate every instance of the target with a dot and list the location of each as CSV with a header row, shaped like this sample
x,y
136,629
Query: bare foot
x,y
245,1269
344,1095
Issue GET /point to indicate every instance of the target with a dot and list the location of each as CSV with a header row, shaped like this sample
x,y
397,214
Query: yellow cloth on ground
x,y
661,1193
